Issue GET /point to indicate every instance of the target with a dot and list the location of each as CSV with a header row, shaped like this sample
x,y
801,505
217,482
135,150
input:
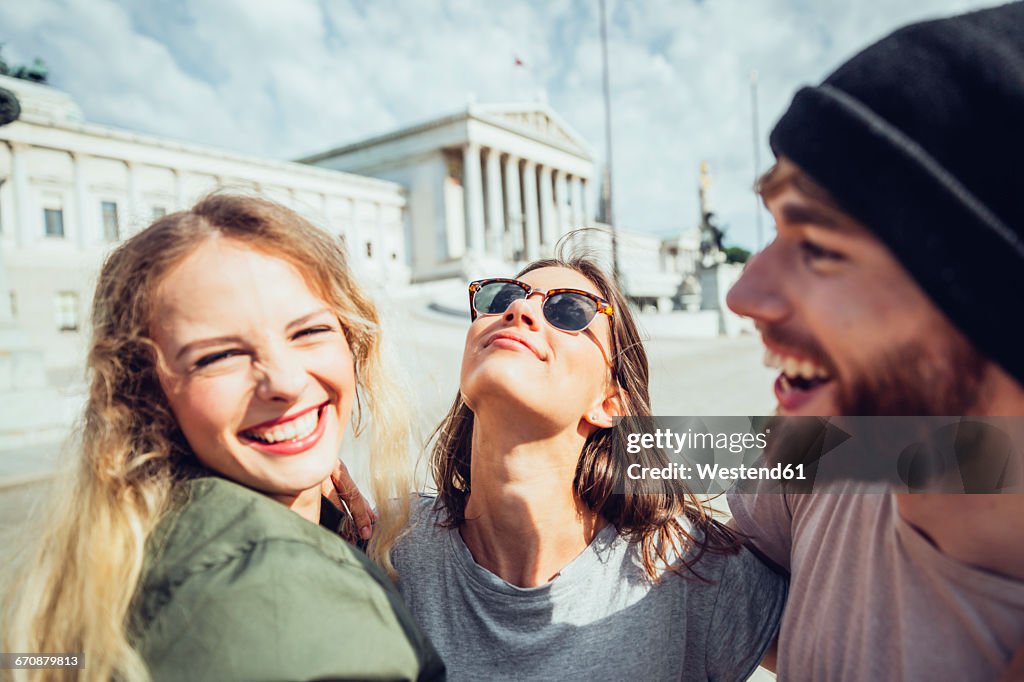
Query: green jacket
x,y
236,586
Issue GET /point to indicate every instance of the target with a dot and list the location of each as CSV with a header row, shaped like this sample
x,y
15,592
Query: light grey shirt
x,y
871,599
601,618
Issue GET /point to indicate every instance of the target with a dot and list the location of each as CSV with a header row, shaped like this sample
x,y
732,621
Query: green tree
x,y
736,254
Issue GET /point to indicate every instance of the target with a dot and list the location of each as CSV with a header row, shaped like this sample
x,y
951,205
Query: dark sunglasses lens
x,y
569,312
496,297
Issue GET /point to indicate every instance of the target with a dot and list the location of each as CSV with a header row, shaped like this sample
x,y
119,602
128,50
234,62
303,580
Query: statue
x,y
37,71
711,235
10,109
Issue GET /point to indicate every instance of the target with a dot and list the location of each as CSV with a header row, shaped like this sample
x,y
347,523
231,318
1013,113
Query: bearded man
x,y
893,287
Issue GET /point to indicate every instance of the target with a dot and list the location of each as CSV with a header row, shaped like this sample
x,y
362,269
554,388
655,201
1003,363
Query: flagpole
x,y
757,156
608,215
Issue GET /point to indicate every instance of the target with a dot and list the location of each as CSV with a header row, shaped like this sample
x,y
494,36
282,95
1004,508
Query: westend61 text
x,y
667,439
716,472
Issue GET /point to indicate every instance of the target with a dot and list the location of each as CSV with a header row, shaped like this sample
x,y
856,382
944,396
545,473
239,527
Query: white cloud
x,y
289,78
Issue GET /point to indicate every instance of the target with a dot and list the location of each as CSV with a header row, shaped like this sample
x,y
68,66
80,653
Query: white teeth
x,y
293,430
794,367
784,382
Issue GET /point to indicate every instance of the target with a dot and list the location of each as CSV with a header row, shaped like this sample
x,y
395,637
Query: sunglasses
x,y
570,310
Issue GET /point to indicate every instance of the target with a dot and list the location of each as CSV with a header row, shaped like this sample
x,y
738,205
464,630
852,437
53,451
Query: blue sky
x,y
286,78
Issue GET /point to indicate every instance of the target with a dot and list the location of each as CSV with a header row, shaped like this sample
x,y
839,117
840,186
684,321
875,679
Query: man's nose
x,y
758,294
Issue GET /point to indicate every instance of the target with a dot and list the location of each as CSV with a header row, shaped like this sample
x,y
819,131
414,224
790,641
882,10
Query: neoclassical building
x,y
488,187
70,190
473,194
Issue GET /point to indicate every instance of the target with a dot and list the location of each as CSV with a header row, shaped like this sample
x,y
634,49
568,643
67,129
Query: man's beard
x,y
911,381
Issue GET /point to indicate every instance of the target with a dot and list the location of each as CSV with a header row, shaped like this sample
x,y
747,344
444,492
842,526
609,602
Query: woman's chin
x,y
505,378
283,475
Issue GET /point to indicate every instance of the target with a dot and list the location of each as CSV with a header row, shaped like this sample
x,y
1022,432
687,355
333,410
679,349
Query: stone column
x,y
578,210
348,227
6,314
132,222
515,204
24,224
85,235
325,221
471,187
563,218
377,238
179,190
530,207
548,229
585,199
495,206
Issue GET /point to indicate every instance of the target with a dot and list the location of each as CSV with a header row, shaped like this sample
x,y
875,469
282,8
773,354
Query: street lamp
x,y
608,215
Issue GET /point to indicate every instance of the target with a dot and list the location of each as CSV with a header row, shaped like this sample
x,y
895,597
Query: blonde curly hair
x,y
73,592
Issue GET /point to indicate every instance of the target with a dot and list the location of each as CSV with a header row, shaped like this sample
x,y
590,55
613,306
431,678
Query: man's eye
x,y
208,360
310,331
813,252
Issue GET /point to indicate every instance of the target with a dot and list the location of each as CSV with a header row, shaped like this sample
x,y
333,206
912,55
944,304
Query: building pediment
x,y
539,122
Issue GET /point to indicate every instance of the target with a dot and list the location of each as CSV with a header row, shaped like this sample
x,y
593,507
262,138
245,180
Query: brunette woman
x,y
539,558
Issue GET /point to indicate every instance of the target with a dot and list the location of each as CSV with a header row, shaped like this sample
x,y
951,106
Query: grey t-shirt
x,y
872,599
599,619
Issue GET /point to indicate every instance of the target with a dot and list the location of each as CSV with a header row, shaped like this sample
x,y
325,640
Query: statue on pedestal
x,y
711,235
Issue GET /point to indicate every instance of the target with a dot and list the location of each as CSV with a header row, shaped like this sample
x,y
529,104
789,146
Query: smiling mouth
x,y
799,380
291,431
514,342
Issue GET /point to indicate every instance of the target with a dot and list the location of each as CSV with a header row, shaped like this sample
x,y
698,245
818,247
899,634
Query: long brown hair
x,y
74,592
650,513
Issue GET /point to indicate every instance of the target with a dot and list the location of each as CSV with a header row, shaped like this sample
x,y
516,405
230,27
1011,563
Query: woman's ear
x,y
602,415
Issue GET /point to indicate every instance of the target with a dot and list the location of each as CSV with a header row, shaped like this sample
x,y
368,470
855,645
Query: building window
x,y
159,212
66,309
111,231
369,249
54,219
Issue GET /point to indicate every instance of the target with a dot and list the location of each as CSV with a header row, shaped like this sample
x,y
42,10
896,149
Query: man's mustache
x,y
798,344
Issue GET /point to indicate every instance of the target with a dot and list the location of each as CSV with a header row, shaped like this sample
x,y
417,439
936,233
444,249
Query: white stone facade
x,y
488,187
70,190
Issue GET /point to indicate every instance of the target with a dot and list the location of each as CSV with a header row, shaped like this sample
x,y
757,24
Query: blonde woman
x,y
539,558
230,346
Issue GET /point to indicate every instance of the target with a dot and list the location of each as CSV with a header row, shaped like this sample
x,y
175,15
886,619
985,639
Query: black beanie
x,y
921,138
